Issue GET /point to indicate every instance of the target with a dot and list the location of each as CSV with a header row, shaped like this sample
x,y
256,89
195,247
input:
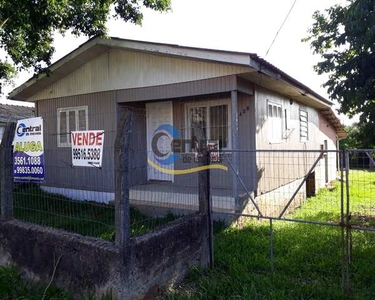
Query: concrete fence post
x,y
203,190
204,187
6,172
122,180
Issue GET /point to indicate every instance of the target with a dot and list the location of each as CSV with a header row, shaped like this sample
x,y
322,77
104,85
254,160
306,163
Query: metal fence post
x,y
344,272
271,248
347,225
122,179
6,172
209,210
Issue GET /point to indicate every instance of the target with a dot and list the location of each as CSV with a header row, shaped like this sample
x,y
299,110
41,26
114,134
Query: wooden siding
x,y
246,141
278,169
121,69
179,90
101,115
329,134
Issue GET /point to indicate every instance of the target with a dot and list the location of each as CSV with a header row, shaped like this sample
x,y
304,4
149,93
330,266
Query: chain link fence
x,y
304,217
83,199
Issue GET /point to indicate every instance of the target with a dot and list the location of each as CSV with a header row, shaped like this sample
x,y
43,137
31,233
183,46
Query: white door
x,y
157,114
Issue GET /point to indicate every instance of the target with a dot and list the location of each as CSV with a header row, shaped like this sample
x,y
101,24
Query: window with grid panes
x,y
214,119
275,122
68,120
304,125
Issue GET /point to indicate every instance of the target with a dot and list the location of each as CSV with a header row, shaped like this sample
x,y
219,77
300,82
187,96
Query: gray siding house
x,y
13,113
239,100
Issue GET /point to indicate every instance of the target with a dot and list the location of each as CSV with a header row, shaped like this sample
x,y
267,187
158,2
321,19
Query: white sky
x,y
238,25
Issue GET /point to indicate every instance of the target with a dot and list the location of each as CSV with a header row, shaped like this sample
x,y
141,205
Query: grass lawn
x,y
33,205
307,258
12,287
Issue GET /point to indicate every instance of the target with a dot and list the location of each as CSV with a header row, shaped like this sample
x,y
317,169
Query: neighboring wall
x,y
101,116
278,169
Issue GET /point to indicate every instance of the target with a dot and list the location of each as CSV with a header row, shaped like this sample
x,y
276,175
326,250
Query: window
x,y
2,129
213,118
70,119
303,126
275,121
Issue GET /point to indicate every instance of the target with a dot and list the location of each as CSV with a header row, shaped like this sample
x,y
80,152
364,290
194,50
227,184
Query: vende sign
x,y
87,148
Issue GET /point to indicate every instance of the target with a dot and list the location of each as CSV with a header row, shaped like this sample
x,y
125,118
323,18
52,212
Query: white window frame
x,y
271,138
76,109
304,140
209,104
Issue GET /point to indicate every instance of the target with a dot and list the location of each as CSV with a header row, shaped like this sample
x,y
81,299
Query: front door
x,y
157,114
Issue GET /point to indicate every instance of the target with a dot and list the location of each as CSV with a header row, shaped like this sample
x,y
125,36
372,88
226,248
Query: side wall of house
x,y
58,160
278,169
329,138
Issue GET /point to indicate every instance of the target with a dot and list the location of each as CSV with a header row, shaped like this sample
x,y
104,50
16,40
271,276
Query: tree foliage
x,y
27,27
344,36
357,138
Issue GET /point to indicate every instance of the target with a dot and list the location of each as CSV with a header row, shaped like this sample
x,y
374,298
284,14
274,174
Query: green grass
x,y
307,257
12,286
33,205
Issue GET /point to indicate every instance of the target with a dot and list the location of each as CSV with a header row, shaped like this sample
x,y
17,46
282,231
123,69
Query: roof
x,y
263,72
335,122
97,46
15,112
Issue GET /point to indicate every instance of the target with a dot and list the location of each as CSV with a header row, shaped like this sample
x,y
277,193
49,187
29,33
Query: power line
x,y
281,27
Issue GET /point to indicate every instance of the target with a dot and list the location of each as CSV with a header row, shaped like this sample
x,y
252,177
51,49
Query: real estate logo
x,y
167,147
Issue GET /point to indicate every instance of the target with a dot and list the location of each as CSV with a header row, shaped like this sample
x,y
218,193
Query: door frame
x,y
170,177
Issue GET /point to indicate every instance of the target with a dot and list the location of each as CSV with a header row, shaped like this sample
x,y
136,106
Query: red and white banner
x,y
87,148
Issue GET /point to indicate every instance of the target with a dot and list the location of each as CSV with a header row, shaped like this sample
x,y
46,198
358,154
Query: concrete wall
x,y
272,203
155,261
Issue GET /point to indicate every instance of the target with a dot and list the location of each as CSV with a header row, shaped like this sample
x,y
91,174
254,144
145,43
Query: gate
x,y
303,221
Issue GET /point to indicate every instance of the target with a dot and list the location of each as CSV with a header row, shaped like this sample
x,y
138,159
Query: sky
x,y
237,25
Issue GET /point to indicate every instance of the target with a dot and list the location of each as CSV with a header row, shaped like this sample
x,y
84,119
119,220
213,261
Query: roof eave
x,y
96,46
331,117
268,69
17,93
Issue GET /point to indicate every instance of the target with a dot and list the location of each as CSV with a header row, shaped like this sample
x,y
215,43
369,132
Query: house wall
x,y
101,116
259,171
221,179
278,169
328,133
121,69
104,111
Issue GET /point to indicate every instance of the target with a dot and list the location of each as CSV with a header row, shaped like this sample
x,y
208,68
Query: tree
x,y
344,36
357,138
353,140
27,27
